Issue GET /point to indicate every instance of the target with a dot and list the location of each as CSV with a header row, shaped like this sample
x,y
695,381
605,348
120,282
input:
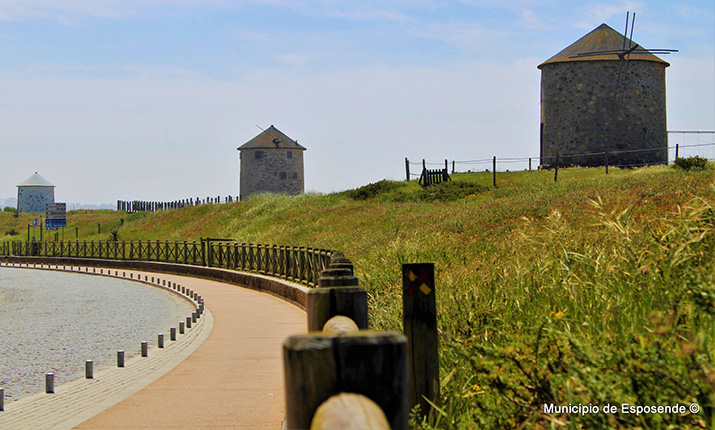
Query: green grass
x,y
596,289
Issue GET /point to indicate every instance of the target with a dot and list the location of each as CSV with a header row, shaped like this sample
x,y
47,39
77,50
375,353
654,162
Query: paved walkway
x,y
229,373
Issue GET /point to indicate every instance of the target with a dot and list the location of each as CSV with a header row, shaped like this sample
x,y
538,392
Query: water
x,y
55,321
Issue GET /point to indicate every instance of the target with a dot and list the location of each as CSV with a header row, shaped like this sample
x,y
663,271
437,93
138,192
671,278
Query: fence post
x,y
606,156
407,169
420,327
677,147
372,364
494,171
530,164
556,168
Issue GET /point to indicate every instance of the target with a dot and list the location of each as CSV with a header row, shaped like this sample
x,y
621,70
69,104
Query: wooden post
x,y
420,326
494,171
530,164
453,167
677,147
407,169
317,366
556,168
338,293
606,157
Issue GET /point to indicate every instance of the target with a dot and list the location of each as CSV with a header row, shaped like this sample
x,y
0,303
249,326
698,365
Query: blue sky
x,y
124,99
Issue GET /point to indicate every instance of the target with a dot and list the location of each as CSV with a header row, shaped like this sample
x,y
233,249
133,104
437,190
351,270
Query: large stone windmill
x,y
603,100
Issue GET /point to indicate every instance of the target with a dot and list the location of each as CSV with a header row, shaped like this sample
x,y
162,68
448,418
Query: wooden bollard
x,y
89,369
160,341
337,278
338,293
172,333
420,327
49,383
321,304
369,363
181,327
348,411
188,322
145,349
2,399
120,358
338,261
193,317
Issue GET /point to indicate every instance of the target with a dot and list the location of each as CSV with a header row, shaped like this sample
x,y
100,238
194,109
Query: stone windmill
x,y
271,162
603,101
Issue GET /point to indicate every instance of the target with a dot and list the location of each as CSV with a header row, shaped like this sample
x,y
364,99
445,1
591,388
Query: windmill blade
x,y
626,31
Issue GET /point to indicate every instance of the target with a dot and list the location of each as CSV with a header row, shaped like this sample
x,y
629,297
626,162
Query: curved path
x,y
234,379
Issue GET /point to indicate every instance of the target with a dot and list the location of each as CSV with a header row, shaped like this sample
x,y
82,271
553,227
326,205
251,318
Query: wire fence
x,y
621,159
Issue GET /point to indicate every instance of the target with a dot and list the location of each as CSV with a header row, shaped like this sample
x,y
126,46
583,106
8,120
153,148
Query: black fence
x,y
144,206
296,264
621,159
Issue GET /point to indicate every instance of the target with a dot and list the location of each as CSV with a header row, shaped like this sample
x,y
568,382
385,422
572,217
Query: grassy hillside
x,y
596,289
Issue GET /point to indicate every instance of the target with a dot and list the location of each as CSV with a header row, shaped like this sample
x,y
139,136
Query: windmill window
x,y
259,155
295,175
284,175
289,154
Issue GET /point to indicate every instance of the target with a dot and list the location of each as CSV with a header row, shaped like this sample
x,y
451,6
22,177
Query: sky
x,y
149,99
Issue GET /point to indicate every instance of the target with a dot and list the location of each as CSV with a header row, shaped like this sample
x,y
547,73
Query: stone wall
x,y
267,170
585,110
34,199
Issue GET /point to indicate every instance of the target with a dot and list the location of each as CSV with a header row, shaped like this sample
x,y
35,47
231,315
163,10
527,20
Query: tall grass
x,y
596,290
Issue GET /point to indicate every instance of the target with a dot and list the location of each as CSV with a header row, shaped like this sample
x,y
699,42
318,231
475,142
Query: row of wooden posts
x,y
341,375
148,206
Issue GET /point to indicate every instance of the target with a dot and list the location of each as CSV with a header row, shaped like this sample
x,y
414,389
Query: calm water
x,y
55,321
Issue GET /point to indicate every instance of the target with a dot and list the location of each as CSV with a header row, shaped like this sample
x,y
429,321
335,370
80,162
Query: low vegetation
x,y
594,290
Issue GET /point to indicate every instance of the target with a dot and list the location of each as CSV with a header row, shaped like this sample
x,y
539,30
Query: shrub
x,y
9,209
688,163
373,190
11,232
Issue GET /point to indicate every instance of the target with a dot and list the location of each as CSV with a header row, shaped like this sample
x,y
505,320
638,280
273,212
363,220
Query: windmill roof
x,y
271,138
35,181
602,39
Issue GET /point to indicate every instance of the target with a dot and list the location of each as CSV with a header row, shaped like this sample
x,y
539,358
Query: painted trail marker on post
x,y
420,327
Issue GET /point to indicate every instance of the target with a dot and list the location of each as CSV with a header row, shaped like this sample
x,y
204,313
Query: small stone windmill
x,y
603,101
271,163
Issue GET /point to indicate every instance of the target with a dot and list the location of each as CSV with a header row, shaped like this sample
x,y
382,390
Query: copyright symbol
x,y
694,408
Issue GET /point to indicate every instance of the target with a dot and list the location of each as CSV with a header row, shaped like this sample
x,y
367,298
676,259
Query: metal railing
x,y
296,264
